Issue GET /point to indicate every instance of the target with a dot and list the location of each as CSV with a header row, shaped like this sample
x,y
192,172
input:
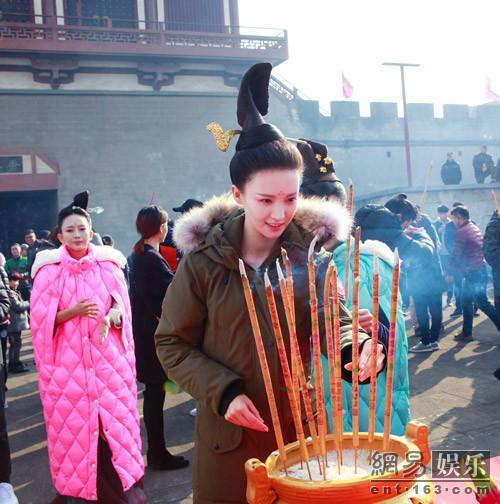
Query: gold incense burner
x,y
266,483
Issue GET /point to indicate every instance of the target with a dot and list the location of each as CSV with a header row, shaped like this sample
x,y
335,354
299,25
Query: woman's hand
x,y
365,320
85,308
242,412
104,326
365,360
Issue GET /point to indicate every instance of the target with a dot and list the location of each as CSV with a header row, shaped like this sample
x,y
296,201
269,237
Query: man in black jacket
x,y
483,165
491,247
451,173
424,275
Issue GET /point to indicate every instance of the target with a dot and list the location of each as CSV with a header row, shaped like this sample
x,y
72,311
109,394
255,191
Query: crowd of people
x,y
482,163
100,322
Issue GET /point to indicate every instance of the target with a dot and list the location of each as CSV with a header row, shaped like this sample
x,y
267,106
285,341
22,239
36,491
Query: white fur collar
x,y
315,215
101,252
378,249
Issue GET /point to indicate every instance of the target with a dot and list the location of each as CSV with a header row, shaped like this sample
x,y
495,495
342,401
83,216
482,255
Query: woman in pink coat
x,y
84,351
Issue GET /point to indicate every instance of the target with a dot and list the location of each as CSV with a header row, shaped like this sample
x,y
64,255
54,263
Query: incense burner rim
x,y
275,473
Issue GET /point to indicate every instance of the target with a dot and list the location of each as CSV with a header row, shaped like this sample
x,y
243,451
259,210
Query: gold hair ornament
x,y
223,138
327,160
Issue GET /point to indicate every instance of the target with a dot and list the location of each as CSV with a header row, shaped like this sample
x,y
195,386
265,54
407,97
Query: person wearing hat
x,y
187,206
168,250
204,339
84,352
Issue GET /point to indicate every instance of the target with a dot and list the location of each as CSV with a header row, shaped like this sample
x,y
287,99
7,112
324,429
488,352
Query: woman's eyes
x,y
267,201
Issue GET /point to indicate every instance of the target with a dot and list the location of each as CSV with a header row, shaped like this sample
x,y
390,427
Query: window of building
x,y
193,15
16,11
103,13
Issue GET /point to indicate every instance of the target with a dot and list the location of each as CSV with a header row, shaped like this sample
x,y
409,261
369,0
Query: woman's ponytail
x,y
139,247
148,223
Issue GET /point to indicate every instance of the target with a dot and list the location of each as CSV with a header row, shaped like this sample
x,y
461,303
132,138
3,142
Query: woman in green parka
x,y
204,339
321,181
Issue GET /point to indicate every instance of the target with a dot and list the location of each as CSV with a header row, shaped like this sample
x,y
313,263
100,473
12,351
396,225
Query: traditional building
x,y
113,96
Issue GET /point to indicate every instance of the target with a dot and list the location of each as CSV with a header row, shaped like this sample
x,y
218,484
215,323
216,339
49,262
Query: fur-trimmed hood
x,y
316,216
101,253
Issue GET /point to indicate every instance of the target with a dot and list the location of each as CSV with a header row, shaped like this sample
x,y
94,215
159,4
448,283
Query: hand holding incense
x,y
263,364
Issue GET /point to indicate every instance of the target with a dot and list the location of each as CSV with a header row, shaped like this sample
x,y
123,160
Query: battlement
x,y
459,122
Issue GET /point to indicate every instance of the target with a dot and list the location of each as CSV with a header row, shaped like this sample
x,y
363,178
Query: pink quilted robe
x,y
83,382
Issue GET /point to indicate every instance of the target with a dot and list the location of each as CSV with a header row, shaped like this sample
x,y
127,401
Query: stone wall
x,y
477,198
125,146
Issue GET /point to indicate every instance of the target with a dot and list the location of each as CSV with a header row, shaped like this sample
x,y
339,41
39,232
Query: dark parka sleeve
x,y
4,301
179,338
491,244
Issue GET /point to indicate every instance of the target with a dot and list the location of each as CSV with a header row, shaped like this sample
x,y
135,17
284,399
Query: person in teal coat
x,y
320,180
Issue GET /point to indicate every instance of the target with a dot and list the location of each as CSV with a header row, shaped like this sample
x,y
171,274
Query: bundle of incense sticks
x,y
332,334
288,301
292,397
263,364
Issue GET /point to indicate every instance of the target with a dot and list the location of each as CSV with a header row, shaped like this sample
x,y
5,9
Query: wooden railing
x,y
60,34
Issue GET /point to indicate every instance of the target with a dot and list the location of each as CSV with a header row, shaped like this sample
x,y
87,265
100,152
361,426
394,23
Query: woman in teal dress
x,y
320,180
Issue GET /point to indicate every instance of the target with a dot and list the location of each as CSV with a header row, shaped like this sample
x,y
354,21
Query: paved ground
x,y
452,390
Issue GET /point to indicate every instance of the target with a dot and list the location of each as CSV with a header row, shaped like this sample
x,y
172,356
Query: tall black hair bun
x,y
253,97
402,196
307,153
81,200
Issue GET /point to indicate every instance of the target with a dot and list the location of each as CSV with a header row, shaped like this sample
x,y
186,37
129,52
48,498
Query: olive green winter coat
x,y
205,342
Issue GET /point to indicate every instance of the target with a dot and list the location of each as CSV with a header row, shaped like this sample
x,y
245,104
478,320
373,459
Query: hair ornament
x,y
222,138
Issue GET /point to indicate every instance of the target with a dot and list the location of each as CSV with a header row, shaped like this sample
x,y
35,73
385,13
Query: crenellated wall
x,y
370,150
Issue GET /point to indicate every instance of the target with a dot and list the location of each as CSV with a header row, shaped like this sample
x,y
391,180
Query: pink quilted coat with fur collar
x,y
86,387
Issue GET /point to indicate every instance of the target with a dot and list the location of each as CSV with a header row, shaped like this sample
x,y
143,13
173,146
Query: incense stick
x,y
318,373
373,373
348,242
338,360
331,358
263,364
390,352
355,371
495,201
